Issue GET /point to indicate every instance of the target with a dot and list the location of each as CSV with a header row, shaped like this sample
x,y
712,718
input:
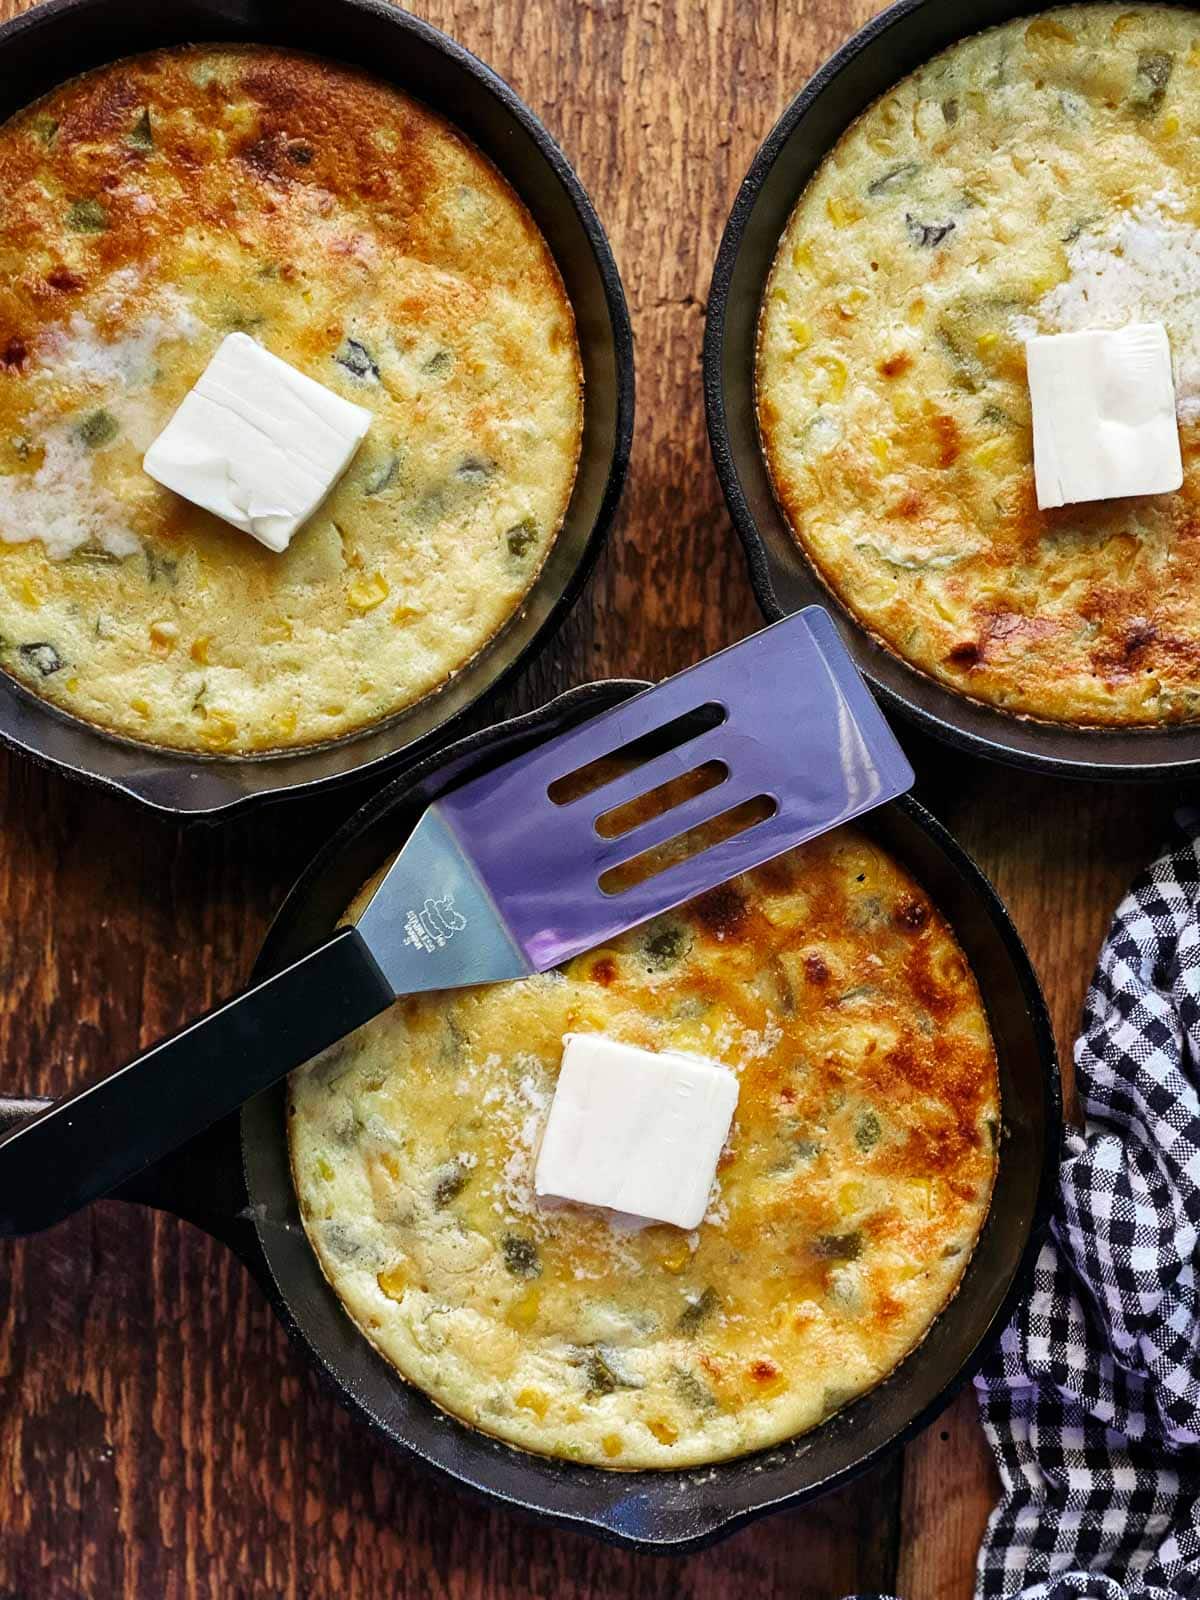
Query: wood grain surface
x,y
158,1436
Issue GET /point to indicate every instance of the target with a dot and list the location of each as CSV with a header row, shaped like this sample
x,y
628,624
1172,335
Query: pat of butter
x,y
1103,414
634,1131
256,442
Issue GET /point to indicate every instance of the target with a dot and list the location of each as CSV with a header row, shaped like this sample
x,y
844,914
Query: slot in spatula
x,y
510,874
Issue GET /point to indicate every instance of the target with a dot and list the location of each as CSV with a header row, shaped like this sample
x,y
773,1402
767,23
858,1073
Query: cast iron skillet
x,y
873,61
62,37
249,1202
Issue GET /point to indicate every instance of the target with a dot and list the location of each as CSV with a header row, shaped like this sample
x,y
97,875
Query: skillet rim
x,y
263,1119
190,786
967,725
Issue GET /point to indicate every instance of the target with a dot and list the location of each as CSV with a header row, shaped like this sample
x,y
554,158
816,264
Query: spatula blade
x,y
795,728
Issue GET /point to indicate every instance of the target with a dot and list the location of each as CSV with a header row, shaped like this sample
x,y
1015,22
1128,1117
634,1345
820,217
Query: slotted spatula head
x,y
507,875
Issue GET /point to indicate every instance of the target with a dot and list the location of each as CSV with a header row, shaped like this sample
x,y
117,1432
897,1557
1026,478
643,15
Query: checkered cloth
x,y
1092,1400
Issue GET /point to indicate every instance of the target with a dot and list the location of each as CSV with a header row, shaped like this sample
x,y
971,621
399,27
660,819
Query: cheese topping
x,y
62,504
1141,265
78,349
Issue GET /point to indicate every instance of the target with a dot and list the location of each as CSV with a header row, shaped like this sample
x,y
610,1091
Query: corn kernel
x,y
992,452
533,1400
285,724
593,965
240,118
611,1445
1051,275
829,377
662,1430
31,593
880,449
693,1033
851,1197
1120,551
916,311
72,685
842,212
677,1260
523,1313
802,257
405,613
139,705
1044,30
219,730
987,341
923,1193
852,302
801,332
162,637
393,1280
324,1170
368,592
1170,125
277,631
199,650
944,609
768,1379
1125,23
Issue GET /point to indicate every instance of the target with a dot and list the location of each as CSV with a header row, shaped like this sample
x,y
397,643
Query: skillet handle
x,y
78,1149
14,1111
201,1182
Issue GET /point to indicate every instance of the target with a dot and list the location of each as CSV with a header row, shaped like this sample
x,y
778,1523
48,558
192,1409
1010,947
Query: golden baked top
x,y
1040,177
851,1191
150,208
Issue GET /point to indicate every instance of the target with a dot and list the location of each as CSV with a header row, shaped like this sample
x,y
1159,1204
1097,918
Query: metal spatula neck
x,y
433,923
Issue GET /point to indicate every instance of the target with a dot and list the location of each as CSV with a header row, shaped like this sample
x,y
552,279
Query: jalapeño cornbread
x,y
1038,178
156,205
851,1191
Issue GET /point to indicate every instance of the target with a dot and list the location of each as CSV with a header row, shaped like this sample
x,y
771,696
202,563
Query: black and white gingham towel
x,y
1092,1401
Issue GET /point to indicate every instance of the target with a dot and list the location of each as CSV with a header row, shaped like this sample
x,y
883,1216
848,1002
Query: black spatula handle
x,y
82,1147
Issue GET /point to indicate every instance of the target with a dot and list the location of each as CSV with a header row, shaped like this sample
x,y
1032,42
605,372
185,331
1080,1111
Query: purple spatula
x,y
504,877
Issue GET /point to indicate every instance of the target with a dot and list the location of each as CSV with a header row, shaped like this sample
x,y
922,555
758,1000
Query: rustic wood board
x,y
158,1436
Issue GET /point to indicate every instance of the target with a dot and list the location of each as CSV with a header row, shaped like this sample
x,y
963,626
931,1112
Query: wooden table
x,y
158,1436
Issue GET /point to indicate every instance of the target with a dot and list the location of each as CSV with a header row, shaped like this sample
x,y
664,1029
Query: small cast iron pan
x,y
892,45
60,38
236,1183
